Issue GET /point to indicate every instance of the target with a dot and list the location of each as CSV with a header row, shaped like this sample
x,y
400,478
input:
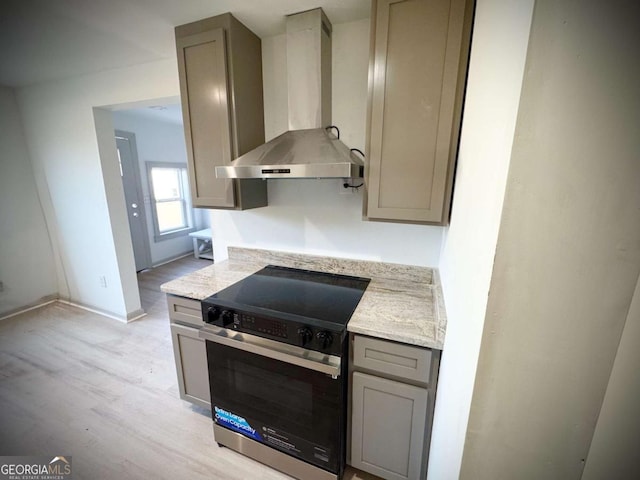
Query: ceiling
x,y
171,113
43,40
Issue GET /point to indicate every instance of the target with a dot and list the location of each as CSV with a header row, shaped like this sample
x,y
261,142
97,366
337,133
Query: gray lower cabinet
x,y
191,365
388,419
189,350
392,394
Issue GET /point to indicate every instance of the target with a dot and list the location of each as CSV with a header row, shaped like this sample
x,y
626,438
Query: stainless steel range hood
x,y
308,149
312,153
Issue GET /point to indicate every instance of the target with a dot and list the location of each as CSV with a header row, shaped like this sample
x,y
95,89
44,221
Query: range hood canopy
x,y
311,153
308,149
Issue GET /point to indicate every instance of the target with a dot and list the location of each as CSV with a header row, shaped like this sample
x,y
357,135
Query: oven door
x,y
280,395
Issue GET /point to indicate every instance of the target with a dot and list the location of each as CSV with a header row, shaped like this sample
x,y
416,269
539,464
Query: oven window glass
x,y
302,405
292,395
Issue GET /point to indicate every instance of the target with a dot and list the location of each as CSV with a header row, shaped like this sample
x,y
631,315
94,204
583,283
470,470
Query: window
x,y
168,184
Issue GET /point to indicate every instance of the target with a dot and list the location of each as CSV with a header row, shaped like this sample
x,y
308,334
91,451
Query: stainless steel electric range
x,y
277,356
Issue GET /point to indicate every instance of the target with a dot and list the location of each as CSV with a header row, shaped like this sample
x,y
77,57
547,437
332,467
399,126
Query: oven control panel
x,y
261,325
286,331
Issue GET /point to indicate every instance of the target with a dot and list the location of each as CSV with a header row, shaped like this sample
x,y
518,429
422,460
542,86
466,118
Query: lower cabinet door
x,y
191,365
388,427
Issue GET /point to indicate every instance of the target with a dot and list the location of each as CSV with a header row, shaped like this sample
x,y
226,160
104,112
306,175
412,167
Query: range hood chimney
x,y
309,149
309,70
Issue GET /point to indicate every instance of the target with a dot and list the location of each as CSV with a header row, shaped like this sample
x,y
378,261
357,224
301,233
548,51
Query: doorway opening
x,y
146,159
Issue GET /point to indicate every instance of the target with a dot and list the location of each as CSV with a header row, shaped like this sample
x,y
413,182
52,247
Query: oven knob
x,y
325,339
213,313
305,334
227,317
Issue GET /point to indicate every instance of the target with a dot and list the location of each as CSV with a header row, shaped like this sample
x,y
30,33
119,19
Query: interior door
x,y
130,173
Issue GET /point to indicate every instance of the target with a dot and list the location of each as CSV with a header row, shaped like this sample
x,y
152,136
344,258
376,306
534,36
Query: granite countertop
x,y
402,303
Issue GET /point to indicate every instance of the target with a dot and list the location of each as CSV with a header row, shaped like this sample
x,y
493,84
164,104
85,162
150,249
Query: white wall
x,y
568,253
614,448
312,216
60,130
27,269
499,47
117,213
159,141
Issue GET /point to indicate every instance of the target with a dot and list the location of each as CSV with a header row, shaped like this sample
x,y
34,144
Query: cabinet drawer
x,y
401,361
185,310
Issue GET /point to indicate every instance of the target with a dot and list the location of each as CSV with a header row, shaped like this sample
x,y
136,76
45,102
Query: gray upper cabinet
x,y
417,72
220,70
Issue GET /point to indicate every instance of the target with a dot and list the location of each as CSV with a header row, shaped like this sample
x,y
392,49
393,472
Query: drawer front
x,y
395,359
185,310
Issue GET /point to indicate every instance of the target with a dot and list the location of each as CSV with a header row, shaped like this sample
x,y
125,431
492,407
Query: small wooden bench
x,y
202,244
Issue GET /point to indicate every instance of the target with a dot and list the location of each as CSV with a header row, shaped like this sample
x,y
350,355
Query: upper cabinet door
x,y
202,65
417,75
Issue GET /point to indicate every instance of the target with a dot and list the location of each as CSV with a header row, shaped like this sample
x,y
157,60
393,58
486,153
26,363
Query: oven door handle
x,y
319,362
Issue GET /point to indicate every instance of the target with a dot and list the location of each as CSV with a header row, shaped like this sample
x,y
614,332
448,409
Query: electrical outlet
x,y
103,281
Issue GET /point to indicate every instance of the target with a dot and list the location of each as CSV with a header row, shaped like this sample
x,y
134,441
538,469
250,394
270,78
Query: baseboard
x,y
131,317
31,306
104,313
137,315
171,259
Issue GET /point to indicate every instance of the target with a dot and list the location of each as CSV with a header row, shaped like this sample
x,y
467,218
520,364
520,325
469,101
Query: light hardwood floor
x,y
75,383
152,299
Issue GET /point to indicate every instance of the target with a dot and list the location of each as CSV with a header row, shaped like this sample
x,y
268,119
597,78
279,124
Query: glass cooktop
x,y
288,292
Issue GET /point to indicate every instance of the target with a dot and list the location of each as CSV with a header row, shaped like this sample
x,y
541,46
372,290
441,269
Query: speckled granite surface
x,y
207,281
402,303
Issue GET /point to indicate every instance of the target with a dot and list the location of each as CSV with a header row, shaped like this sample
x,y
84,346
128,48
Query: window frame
x,y
186,203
